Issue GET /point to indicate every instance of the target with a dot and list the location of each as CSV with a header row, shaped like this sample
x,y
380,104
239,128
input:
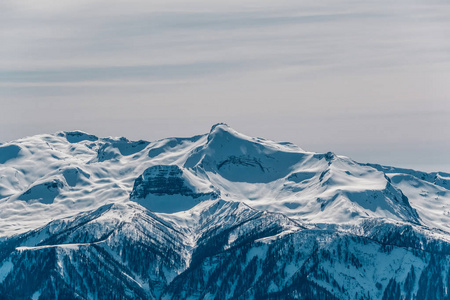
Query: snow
x,y
64,246
48,177
77,136
36,295
72,190
5,269
259,252
8,152
431,201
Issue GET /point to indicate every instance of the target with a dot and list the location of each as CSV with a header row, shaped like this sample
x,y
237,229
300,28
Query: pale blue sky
x,y
366,79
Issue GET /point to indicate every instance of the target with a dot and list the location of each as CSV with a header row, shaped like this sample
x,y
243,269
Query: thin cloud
x,y
372,73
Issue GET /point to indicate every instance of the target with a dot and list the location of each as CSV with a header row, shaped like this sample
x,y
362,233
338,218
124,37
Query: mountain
x,y
216,216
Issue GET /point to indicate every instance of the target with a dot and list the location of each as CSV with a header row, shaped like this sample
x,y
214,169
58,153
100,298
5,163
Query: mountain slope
x,y
219,215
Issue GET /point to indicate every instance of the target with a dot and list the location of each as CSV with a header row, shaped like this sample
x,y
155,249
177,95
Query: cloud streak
x,y
302,71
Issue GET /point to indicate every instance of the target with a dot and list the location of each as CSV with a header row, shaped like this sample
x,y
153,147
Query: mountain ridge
x,y
261,173
216,216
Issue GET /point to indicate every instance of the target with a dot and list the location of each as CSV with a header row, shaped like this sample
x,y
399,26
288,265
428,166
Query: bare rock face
x,y
166,188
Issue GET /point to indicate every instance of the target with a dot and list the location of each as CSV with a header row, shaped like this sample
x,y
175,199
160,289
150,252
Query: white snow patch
x,y
5,269
64,246
36,295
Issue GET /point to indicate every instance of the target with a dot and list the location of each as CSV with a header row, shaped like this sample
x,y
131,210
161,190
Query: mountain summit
x,y
220,215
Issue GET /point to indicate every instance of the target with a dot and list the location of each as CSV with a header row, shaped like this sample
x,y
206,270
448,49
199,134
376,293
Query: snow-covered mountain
x,y
216,216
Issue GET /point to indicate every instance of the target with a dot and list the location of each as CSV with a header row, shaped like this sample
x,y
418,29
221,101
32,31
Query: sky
x,y
365,79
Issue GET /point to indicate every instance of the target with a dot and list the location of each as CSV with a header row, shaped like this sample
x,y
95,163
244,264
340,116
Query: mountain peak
x,y
220,126
77,136
222,130
176,174
167,219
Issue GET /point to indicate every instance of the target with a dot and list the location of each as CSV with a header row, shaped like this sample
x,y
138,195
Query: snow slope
x,y
58,175
218,215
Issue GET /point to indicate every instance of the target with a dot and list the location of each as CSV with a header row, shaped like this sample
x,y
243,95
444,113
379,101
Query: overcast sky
x,y
365,79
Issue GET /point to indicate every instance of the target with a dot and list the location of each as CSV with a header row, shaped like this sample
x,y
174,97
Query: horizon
x,y
417,167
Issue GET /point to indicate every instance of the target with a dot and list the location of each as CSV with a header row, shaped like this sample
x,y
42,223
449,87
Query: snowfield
x,y
220,215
